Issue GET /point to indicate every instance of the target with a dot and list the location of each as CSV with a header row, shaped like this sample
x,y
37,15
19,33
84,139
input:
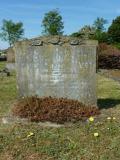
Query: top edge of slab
x,y
57,40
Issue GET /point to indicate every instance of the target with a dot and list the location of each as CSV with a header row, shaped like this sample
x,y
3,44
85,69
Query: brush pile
x,y
109,62
108,57
51,109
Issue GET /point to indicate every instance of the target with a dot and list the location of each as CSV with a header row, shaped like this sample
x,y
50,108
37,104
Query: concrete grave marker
x,y
58,67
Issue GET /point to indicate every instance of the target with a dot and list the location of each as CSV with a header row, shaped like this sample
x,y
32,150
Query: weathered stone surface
x,y
10,66
57,70
10,59
54,40
74,42
37,43
10,55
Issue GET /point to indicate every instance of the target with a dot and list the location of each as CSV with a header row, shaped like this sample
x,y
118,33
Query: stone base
x,y
10,66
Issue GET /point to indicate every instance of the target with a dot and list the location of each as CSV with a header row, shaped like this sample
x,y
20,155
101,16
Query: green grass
x,y
2,65
108,93
7,91
75,142
117,45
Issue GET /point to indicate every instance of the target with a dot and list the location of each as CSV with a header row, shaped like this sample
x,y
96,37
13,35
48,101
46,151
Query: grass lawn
x,y
7,91
74,142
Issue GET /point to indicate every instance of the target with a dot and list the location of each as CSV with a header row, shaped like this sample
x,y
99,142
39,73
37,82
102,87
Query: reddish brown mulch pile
x,y
58,110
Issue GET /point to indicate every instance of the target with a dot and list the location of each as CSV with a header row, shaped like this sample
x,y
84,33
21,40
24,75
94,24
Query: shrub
x,y
108,57
114,30
105,49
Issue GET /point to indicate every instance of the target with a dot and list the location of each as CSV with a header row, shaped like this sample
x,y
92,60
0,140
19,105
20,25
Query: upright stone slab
x,y
10,59
58,67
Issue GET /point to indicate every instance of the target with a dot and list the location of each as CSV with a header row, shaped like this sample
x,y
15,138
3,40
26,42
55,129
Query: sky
x,y
75,13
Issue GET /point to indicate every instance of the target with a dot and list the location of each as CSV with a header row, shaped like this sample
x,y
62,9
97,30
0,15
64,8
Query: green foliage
x,y
76,34
52,23
100,36
114,30
87,29
99,24
11,32
99,33
117,45
95,31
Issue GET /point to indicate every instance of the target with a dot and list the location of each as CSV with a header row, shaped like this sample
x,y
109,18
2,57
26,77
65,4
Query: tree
x,y
52,23
100,33
11,31
99,24
95,31
114,30
76,34
101,37
86,30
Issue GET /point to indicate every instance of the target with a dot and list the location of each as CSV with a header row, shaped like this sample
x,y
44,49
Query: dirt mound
x,y
58,110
